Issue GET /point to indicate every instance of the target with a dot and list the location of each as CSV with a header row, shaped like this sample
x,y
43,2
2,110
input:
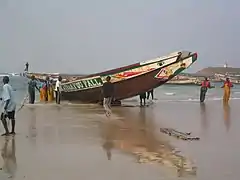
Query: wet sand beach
x,y
78,141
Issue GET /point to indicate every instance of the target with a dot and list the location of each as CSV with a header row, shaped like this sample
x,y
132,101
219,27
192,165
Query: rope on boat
x,y
186,136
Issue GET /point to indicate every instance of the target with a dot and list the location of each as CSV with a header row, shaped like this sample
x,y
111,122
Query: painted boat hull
x,y
129,81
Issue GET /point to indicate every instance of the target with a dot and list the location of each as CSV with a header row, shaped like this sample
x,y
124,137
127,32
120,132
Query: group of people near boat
x,y
108,93
9,105
108,96
205,85
46,94
46,90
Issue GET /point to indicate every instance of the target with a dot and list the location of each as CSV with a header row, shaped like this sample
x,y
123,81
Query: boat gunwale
x,y
112,71
80,90
137,66
132,66
161,82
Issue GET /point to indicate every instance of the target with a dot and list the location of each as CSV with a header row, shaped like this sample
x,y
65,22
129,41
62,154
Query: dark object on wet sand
x,y
129,81
179,135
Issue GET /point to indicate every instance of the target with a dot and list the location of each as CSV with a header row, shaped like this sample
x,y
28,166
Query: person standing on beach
x,y
108,94
8,105
50,91
203,90
26,67
46,88
58,90
32,85
150,92
227,90
142,98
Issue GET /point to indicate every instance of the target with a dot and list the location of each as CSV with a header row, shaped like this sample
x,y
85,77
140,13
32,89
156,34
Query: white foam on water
x,y
197,100
170,93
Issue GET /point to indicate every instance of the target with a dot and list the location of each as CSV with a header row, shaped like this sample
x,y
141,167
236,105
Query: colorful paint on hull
x,y
130,80
131,72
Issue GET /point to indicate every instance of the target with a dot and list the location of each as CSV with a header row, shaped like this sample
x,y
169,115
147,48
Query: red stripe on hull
x,y
124,89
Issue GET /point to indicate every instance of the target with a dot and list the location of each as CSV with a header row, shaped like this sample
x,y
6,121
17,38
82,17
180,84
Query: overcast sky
x,y
94,35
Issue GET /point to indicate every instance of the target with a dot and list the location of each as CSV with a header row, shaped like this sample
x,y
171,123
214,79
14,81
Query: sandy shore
x,y
78,141
71,141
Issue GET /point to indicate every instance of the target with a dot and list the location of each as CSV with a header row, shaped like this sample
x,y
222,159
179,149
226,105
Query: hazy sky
x,y
90,36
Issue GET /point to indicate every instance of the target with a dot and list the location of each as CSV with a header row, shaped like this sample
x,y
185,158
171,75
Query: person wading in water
x,y
150,93
9,106
203,90
142,98
108,94
32,84
58,90
227,91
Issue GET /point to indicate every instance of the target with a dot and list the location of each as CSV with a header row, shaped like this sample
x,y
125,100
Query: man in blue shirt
x,y
8,106
32,85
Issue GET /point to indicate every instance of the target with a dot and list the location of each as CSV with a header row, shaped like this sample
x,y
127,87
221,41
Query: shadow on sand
x,y
9,158
135,135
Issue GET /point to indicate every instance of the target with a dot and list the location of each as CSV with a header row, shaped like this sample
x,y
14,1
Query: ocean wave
x,y
197,99
170,93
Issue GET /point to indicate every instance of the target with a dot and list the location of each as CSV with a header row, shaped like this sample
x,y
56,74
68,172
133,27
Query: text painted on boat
x,y
83,84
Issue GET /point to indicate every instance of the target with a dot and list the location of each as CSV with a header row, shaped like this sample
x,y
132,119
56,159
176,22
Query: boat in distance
x,y
129,81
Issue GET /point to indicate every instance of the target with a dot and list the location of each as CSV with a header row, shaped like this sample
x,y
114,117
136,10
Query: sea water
x,y
215,152
163,93
19,85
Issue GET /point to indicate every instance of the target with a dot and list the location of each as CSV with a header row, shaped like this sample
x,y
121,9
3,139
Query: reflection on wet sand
x,y
204,119
32,123
227,118
138,138
129,130
32,130
108,144
8,156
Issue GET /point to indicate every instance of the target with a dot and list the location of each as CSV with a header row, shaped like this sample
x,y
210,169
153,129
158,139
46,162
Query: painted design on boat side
x,y
173,69
83,84
164,73
139,70
97,81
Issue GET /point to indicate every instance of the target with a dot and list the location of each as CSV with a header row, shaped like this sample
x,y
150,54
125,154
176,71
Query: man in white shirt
x,y
8,106
58,90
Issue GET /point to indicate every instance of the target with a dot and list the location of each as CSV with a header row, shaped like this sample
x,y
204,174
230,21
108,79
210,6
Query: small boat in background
x,y
129,81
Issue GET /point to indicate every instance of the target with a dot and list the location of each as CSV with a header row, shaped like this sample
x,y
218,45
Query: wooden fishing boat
x,y
129,81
